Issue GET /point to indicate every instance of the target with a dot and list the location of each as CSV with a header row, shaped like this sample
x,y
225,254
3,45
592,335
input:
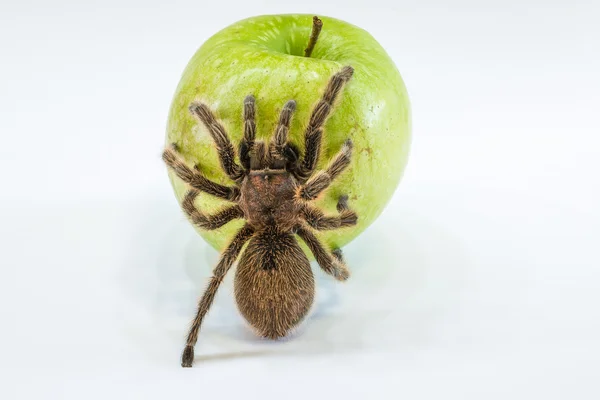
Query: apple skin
x,y
263,56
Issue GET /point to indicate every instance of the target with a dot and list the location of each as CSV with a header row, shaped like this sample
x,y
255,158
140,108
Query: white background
x,y
479,281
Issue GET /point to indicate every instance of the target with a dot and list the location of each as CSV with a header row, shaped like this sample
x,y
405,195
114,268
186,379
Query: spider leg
x,y
319,221
337,253
209,222
314,130
330,263
195,178
219,135
227,259
247,143
280,138
321,181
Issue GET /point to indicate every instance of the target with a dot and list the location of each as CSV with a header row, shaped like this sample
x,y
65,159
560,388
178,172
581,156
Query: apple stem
x,y
314,35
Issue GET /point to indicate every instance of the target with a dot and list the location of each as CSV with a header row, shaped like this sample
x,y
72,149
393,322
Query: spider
x,y
274,284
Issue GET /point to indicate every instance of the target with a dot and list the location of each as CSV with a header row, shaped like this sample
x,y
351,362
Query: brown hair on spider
x,y
274,284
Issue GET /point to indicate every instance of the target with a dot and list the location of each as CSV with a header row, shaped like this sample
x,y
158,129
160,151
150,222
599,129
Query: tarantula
x,y
274,284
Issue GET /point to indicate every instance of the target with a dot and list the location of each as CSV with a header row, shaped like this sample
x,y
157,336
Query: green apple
x,y
264,56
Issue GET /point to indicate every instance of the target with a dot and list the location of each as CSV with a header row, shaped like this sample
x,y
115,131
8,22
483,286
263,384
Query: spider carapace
x,y
272,191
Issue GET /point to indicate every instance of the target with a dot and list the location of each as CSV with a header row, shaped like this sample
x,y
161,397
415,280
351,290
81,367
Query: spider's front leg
x,y
227,259
314,131
221,139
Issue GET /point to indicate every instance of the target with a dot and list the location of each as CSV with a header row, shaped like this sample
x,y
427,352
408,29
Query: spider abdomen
x,y
274,284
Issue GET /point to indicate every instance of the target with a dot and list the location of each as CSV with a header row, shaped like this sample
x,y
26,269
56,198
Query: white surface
x,y
480,280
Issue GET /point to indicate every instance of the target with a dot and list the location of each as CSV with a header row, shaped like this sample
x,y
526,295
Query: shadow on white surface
x,y
398,291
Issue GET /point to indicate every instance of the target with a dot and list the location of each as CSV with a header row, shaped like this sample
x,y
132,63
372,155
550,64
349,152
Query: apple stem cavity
x,y
314,35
